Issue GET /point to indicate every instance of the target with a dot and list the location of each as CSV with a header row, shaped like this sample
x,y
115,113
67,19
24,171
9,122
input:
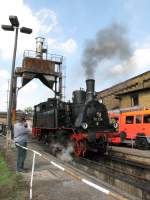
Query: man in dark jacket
x,y
20,137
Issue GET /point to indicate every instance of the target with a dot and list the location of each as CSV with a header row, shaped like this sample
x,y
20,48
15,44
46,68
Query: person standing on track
x,y
20,137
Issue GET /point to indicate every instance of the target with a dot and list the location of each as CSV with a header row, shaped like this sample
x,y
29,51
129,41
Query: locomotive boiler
x,y
84,122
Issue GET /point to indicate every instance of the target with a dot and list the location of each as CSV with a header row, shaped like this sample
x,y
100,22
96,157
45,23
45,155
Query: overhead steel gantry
x,y
42,65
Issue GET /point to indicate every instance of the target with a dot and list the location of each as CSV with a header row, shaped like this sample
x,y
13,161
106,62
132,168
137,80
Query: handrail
x,y
50,57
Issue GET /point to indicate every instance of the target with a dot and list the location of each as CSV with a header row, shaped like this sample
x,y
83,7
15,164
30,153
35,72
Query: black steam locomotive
x,y
84,122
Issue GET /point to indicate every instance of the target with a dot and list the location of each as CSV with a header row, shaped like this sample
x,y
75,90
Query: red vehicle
x,y
133,127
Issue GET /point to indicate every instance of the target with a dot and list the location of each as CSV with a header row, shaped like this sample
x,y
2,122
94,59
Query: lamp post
x,y
13,27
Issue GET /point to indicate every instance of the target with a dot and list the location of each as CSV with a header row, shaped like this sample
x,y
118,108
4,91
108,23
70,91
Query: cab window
x,y
129,119
44,107
146,119
37,108
138,119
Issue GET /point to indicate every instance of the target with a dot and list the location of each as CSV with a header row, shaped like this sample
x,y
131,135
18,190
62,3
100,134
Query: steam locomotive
x,y
84,122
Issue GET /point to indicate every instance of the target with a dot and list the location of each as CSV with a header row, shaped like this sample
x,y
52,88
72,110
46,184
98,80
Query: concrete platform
x,y
135,155
51,183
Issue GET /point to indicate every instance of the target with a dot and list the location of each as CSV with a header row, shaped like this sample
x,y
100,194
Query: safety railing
x,y
50,57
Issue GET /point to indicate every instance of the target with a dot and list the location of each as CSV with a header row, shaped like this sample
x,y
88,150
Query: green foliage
x,y
28,110
10,183
5,173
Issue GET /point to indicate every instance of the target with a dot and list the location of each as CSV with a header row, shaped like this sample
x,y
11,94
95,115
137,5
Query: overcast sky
x,y
114,34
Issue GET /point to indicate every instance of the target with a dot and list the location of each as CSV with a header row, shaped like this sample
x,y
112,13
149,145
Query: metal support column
x,y
9,112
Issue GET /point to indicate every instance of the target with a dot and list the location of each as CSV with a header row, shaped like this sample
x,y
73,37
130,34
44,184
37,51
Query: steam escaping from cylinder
x,y
64,153
109,43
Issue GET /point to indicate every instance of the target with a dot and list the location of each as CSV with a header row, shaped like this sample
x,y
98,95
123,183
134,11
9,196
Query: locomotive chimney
x,y
90,89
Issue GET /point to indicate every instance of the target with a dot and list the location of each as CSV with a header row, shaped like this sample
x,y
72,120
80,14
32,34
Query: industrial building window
x,y
146,119
138,119
129,119
134,100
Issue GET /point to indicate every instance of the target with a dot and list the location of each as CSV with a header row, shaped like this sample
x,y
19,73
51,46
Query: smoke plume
x,y
109,43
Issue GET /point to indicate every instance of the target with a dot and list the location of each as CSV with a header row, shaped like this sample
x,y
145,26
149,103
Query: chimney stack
x,y
90,89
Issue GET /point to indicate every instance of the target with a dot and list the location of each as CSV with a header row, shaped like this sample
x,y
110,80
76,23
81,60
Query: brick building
x,y
132,92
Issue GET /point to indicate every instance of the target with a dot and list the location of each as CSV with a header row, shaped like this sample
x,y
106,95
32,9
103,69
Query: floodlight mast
x,y
14,21
26,30
14,26
7,27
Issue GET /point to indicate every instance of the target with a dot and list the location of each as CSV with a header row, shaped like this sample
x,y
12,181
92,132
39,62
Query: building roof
x,y
133,84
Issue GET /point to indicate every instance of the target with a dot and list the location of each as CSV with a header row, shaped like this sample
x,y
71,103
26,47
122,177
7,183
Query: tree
x,y
28,110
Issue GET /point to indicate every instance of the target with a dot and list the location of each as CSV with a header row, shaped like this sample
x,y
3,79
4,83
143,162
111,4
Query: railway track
x,y
134,155
125,175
